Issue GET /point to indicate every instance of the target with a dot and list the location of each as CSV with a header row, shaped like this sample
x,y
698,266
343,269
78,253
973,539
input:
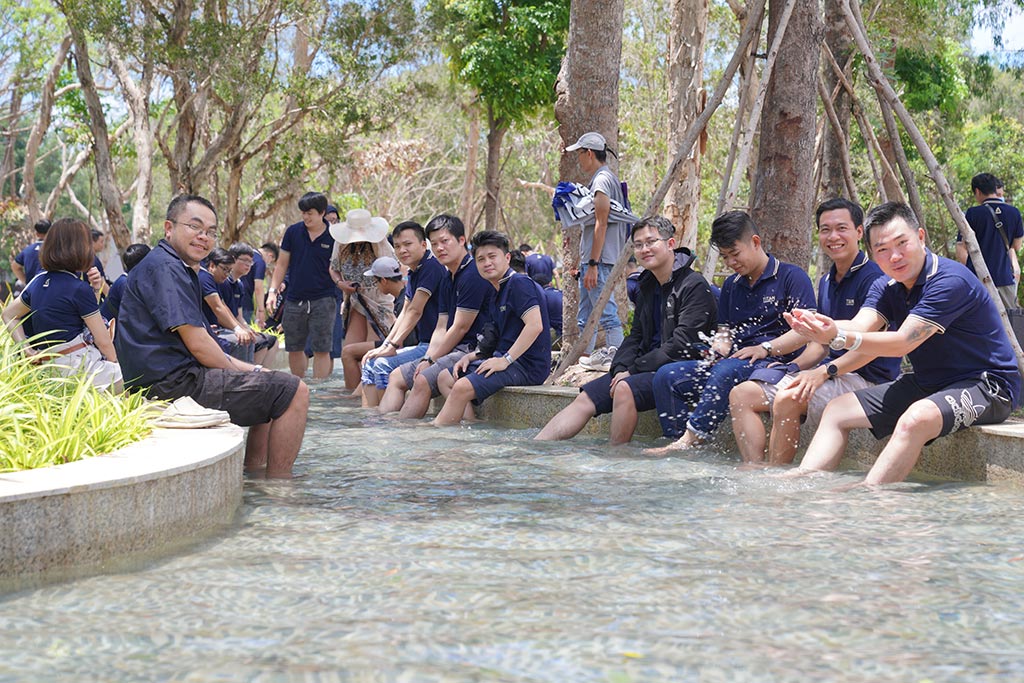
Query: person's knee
x,y
922,417
463,389
421,384
300,400
746,396
397,380
622,397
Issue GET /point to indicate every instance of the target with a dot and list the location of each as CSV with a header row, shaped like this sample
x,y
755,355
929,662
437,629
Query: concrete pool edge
x,y
983,453
173,484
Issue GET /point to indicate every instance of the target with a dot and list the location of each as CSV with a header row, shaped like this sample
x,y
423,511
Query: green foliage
x,y
48,419
934,79
993,144
508,51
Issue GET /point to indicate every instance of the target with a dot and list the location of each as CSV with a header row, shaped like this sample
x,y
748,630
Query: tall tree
x,y
508,51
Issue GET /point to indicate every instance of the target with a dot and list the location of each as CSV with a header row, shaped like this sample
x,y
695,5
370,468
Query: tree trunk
x,y
783,193
496,129
137,97
106,180
7,170
473,148
686,99
587,91
833,181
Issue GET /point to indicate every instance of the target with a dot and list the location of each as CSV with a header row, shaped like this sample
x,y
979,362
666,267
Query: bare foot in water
x,y
684,443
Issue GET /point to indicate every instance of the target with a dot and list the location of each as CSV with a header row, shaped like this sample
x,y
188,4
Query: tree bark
x,y
833,179
587,91
901,160
840,148
472,150
686,99
137,97
496,129
783,193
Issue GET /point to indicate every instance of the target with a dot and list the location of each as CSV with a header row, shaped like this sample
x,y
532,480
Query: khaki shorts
x,y
833,388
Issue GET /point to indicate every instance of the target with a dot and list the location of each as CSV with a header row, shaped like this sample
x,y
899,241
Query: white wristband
x,y
857,339
238,329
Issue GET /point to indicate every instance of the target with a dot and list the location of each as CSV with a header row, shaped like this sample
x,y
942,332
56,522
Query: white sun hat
x,y
360,226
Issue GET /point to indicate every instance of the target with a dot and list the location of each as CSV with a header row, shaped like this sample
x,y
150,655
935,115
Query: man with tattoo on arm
x,y
965,371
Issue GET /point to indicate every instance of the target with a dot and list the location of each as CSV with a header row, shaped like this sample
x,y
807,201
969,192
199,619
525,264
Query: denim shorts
x,y
378,370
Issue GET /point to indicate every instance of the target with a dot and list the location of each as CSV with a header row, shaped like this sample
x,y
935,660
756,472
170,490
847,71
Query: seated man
x,y
841,292
692,397
235,292
521,355
230,334
166,351
418,316
674,307
465,305
965,370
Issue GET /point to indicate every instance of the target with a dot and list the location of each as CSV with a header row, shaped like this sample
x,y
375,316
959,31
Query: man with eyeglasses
x,y
165,348
674,307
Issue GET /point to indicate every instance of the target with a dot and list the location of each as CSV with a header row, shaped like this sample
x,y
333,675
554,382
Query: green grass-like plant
x,y
47,418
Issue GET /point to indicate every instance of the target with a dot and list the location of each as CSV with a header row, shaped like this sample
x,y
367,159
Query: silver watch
x,y
838,342
767,346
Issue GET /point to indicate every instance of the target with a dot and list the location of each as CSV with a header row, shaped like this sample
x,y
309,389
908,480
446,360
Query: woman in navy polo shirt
x,y
65,311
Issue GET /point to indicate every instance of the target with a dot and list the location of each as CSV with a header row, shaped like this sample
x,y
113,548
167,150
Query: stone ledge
x,y
172,484
985,453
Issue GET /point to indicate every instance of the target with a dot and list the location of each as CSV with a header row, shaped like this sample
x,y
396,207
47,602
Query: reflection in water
x,y
405,553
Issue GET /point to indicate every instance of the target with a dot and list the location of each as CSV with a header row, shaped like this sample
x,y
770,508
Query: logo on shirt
x,y
770,300
325,246
851,302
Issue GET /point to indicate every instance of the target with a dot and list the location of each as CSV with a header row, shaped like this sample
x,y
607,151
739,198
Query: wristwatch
x,y
508,358
838,342
592,262
832,370
430,361
767,346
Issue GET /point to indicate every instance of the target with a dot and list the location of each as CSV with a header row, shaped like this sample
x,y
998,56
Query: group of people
x,y
426,313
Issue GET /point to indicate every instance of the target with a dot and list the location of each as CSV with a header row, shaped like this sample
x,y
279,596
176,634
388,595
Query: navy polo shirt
x,y
842,301
990,240
59,303
971,338
162,294
754,312
28,258
112,303
308,270
257,272
232,293
468,291
540,264
429,276
517,296
209,286
553,297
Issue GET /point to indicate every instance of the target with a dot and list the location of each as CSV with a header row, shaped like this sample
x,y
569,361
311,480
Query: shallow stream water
x,y
404,553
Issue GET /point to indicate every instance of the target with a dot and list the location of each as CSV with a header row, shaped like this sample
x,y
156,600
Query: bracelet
x,y
238,329
430,361
388,342
257,368
271,291
857,339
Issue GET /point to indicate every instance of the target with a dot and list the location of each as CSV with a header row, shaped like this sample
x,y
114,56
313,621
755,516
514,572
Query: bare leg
x,y
921,423
371,396
841,415
461,394
569,421
351,354
275,444
297,363
322,365
418,400
746,404
394,395
785,438
266,357
445,382
624,415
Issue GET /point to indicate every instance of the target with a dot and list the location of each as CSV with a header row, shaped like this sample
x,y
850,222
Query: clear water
x,y
405,553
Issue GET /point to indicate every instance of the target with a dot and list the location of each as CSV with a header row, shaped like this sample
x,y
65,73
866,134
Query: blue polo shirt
x,y
754,312
842,301
112,303
257,272
518,295
28,258
60,302
553,298
540,265
308,270
232,293
971,337
429,276
162,294
990,240
467,290
209,286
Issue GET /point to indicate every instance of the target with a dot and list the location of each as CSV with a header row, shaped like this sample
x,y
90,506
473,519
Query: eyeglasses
x,y
648,244
197,230
224,268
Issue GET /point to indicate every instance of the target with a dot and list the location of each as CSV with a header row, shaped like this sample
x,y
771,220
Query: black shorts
x,y
250,398
599,391
973,401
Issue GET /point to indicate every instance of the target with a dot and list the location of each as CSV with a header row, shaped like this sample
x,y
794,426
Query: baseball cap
x,y
589,141
384,267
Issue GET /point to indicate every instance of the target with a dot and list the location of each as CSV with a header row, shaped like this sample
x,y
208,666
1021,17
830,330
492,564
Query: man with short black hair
x,y
965,371
305,256
166,351
25,265
603,240
1000,232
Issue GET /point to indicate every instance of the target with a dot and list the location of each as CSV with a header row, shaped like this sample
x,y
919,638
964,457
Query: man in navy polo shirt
x,y
1000,232
252,281
25,265
521,354
166,351
538,264
464,307
419,312
965,371
841,291
310,304
692,397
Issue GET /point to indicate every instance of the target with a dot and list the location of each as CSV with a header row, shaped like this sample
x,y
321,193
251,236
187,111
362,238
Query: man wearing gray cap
x,y
603,240
387,276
